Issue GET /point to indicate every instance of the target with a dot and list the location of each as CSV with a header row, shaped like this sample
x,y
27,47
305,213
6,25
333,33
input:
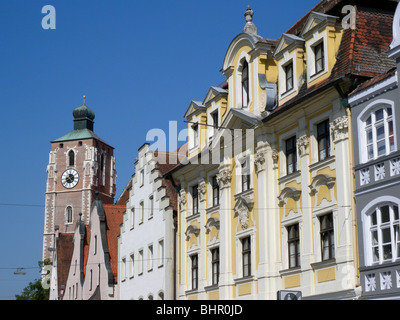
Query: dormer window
x,y
319,58
289,76
245,84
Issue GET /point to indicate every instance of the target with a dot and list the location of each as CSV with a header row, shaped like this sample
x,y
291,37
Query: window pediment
x,y
287,193
319,180
192,229
287,43
194,107
315,22
213,94
212,222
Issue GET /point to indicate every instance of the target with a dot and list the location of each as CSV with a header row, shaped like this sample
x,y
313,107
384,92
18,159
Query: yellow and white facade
x,y
265,202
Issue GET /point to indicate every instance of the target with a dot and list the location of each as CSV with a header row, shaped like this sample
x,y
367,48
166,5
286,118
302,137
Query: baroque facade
x,y
266,201
376,128
287,187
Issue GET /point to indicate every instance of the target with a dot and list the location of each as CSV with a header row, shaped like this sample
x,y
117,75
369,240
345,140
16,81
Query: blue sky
x,y
139,63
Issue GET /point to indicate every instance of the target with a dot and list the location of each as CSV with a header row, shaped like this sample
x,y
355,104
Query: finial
x,y
84,99
248,15
249,27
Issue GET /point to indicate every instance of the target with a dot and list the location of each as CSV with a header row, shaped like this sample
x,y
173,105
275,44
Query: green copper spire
x,y
83,117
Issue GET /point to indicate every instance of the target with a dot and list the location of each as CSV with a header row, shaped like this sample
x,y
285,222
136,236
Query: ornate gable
x,y
287,42
214,92
316,21
195,106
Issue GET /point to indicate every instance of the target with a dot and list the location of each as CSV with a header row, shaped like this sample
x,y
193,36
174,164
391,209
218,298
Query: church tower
x,y
80,164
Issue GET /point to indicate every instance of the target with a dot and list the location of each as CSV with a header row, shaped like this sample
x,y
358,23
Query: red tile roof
x,y
65,248
114,219
374,81
362,52
172,163
124,197
86,242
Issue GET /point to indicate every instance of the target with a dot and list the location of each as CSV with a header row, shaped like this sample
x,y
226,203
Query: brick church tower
x,y
80,163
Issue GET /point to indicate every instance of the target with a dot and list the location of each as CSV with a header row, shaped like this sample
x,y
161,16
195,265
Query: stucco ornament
x,y
275,158
339,128
259,161
302,145
224,178
243,208
182,198
202,189
395,167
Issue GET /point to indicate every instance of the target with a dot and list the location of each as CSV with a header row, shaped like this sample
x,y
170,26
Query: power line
x,y
158,209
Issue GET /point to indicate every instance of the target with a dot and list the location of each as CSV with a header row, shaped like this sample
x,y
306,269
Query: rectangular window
x,y
195,199
141,211
195,271
319,57
141,177
132,218
291,155
215,191
289,76
327,237
293,246
151,205
246,257
323,139
150,257
385,237
245,85
131,265
215,266
69,215
245,176
123,268
215,122
160,253
140,262
379,133
195,129
95,245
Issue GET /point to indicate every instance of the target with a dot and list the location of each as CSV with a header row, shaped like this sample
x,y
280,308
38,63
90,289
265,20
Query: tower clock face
x,y
70,178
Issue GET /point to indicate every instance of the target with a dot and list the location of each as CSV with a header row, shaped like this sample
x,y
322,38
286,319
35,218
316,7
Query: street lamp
x,y
19,271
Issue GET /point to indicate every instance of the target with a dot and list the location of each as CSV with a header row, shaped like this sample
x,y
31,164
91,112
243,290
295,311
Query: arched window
x,y
383,233
378,132
71,158
69,214
245,84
